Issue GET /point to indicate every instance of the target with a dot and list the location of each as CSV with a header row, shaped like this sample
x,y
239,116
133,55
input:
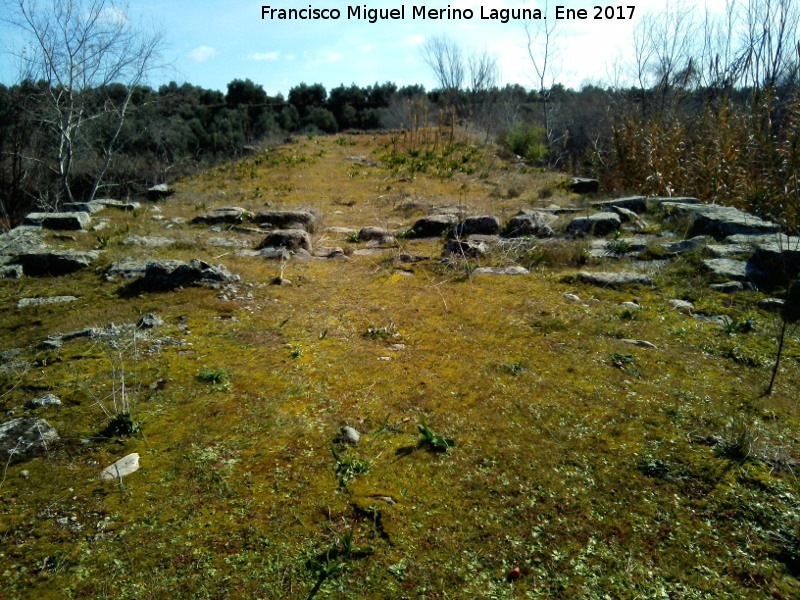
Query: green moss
x,y
591,478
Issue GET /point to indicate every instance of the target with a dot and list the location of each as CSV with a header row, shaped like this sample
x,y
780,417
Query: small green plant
x,y
333,559
214,376
220,379
513,368
620,246
625,363
377,333
348,468
739,442
654,468
620,360
433,441
736,326
121,425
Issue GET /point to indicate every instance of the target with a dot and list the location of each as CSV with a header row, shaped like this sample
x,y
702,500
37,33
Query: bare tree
x,y
446,60
770,42
543,53
87,58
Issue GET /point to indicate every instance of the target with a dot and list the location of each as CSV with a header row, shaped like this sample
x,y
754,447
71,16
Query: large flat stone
x,y
69,221
54,262
600,224
22,435
610,279
720,221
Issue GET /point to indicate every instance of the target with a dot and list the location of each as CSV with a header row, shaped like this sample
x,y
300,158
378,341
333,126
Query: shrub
x,y
526,140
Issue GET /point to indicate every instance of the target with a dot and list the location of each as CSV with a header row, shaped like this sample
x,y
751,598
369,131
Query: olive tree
x,y
87,59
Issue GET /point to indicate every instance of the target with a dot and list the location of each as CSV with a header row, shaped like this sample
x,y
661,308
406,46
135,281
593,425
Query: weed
x,y
348,468
620,246
379,333
735,326
515,368
220,379
432,441
654,468
121,425
217,377
625,363
738,442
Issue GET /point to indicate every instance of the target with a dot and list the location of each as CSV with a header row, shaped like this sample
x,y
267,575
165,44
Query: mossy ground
x,y
599,469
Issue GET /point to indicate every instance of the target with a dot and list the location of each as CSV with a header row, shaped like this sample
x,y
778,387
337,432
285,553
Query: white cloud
x,y
414,40
113,15
333,57
202,54
367,48
264,56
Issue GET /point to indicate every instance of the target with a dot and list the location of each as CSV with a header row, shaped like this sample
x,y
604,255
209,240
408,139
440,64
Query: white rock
x,y
640,343
681,305
124,466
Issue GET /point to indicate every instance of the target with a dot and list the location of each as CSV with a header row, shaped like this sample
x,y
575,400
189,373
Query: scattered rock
x,y
350,436
511,270
159,192
728,287
683,246
20,240
730,269
225,242
631,305
330,252
614,279
779,258
124,466
150,321
580,185
627,216
288,219
636,204
27,302
43,401
530,223
681,305
54,262
771,304
22,435
719,221
233,215
10,271
572,298
464,249
291,239
598,224
434,225
640,344
87,207
386,241
481,225
117,204
72,221
147,241
131,268
165,275
367,234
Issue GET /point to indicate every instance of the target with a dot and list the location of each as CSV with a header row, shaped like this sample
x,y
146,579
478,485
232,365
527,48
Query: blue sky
x,y
210,43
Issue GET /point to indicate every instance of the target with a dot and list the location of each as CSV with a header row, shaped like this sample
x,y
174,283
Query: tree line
x,y
707,105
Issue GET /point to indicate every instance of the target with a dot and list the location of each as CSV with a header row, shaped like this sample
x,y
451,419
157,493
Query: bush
x,y
526,140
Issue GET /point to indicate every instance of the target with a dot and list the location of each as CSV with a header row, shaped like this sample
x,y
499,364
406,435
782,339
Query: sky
x,y
210,42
